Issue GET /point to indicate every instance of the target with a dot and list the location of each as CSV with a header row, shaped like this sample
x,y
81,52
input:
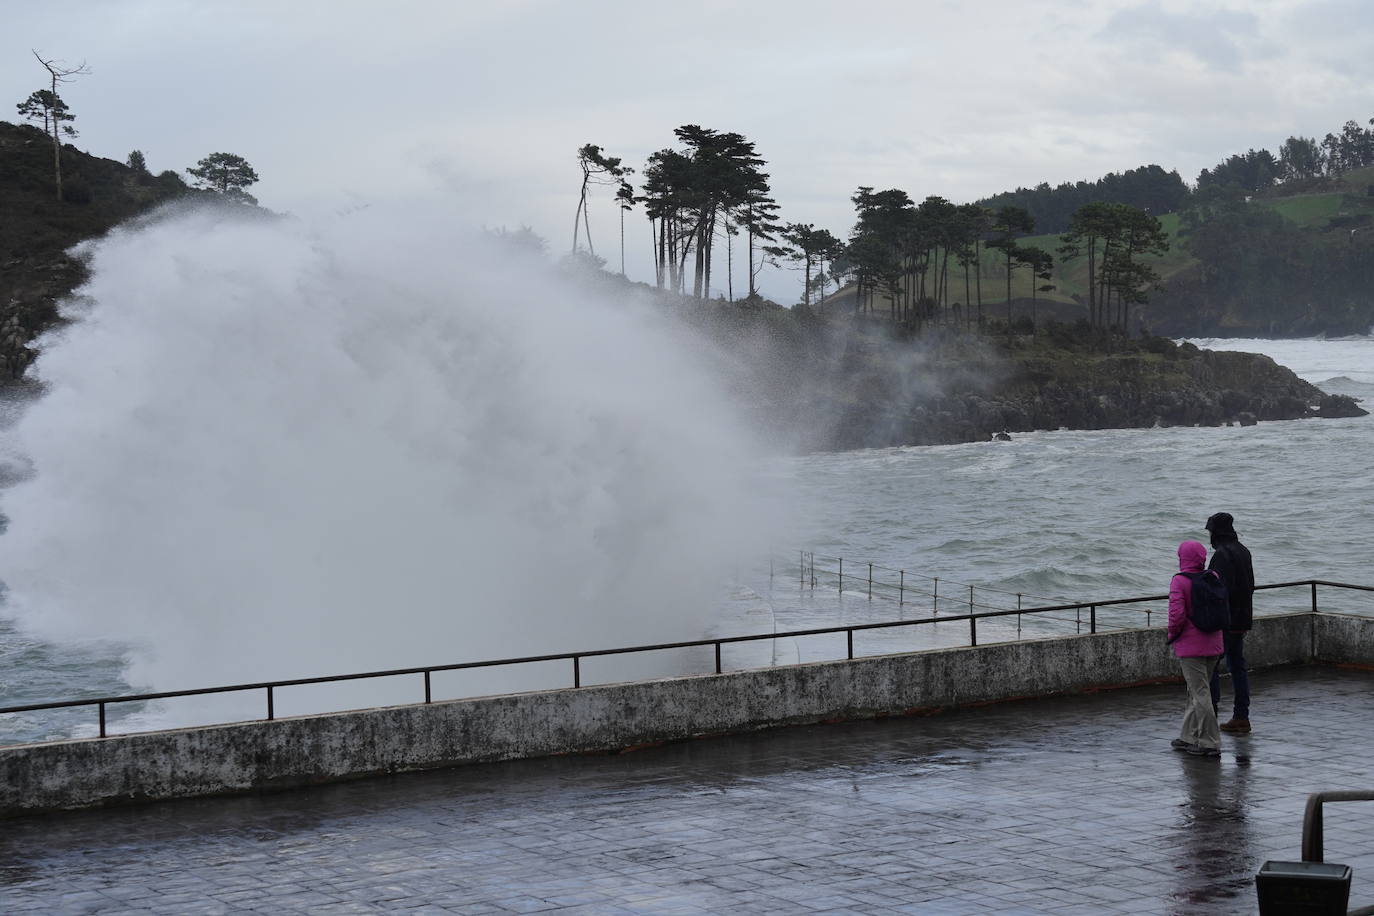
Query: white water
x,y
271,450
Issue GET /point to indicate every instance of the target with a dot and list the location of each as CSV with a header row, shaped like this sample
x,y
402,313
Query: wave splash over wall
x,y
272,450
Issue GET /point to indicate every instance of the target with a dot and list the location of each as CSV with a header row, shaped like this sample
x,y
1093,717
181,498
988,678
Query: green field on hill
x,y
1339,199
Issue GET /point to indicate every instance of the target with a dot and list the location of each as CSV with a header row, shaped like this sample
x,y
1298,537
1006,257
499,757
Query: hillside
x,y
37,231
1296,261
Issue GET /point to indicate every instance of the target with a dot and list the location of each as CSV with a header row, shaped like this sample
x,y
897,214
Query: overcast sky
x,y
340,103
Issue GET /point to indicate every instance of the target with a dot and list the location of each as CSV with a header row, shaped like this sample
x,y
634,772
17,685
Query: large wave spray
x,y
270,450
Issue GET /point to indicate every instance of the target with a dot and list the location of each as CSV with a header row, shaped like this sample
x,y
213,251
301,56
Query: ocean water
x,y
1087,514
1048,517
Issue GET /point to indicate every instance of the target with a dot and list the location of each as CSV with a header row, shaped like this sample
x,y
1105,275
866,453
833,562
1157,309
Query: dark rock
x,y
1336,406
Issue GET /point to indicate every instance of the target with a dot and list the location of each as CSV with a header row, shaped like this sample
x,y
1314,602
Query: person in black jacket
x,y
1231,560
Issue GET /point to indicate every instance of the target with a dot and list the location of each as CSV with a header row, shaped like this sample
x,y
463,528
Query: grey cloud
x,y
1219,39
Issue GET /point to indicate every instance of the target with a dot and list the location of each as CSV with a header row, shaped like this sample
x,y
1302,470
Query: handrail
x,y
1312,818
576,657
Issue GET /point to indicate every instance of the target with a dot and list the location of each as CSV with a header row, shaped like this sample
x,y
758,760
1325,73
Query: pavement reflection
x,y
1067,805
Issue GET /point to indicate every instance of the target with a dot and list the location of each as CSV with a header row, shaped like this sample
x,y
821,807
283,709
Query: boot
x,y
1237,726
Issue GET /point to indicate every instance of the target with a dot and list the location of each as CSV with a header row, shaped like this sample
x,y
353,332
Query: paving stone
x,y
1070,805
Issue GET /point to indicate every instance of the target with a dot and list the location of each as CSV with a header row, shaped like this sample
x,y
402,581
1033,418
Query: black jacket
x,y
1231,560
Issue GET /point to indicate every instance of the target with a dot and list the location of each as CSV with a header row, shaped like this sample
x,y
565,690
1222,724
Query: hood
x,y
1222,526
1191,556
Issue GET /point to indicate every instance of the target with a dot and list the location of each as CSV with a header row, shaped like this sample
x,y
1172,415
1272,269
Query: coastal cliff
x,y
827,385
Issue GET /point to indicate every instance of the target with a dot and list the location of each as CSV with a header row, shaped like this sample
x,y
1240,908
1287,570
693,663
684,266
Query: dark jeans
x,y
1240,677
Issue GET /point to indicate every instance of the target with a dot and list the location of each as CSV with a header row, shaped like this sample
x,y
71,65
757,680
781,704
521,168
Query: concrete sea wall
x,y
259,755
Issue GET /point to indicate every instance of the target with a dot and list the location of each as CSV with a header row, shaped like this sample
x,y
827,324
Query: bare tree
x,y
59,74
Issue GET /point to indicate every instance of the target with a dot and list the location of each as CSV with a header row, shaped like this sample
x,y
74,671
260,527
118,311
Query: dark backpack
x,y
1211,610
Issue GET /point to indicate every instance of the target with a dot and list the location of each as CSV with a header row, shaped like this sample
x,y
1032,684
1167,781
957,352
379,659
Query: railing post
x,y
849,638
842,575
901,588
1078,619
935,599
577,671
1092,619
1018,615
717,656
271,712
102,720
972,630
870,581
1312,839
1314,597
970,599
427,693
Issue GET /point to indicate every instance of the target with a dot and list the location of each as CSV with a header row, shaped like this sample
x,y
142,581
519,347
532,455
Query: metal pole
x,y
427,693
577,671
849,634
841,575
901,588
271,713
970,599
1314,607
1018,615
1078,620
972,631
1312,829
870,581
935,598
1092,621
1312,822
717,656
102,720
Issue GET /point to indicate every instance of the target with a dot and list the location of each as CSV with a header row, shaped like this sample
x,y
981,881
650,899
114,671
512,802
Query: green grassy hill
x,y
1320,212
1332,204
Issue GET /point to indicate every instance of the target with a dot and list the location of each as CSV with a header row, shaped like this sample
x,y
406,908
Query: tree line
x,y
226,174
1154,190
926,260
1147,188
1298,159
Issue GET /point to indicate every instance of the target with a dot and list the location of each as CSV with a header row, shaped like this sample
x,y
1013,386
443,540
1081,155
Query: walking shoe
x,y
1237,726
1197,750
1179,744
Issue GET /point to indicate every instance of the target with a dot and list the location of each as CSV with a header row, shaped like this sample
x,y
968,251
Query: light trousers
x,y
1200,721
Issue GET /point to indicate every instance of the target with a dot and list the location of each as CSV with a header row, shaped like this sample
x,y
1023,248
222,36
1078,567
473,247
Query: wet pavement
x,y
1072,805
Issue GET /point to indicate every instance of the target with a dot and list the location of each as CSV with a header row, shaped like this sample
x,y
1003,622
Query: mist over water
x,y
271,450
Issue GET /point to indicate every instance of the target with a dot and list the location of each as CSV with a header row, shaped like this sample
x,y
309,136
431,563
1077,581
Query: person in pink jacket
x,y
1197,653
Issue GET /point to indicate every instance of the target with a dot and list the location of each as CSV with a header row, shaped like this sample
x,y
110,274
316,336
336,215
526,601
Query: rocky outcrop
x,y
878,393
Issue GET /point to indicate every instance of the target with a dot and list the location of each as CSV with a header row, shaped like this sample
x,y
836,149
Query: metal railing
x,y
576,658
905,587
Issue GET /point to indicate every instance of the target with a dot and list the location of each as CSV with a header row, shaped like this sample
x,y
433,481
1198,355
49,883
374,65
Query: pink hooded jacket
x,y
1188,641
